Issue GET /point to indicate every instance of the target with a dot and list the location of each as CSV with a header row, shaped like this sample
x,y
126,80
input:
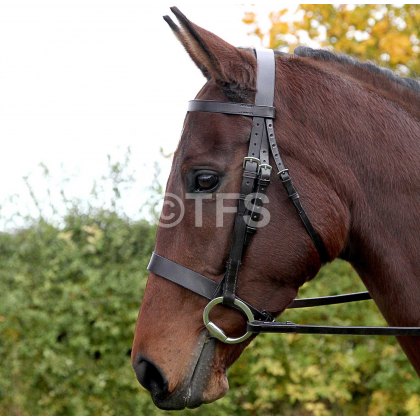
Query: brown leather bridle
x,y
255,180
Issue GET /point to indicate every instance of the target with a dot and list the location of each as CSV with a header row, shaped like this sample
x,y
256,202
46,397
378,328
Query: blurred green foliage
x,y
70,294
389,34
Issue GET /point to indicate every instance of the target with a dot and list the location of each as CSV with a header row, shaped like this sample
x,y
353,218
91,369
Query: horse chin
x,y
202,386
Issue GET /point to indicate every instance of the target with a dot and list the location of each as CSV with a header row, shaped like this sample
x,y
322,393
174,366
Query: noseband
x,y
255,180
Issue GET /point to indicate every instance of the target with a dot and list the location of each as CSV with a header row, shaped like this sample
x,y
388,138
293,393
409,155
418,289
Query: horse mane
x,y
402,90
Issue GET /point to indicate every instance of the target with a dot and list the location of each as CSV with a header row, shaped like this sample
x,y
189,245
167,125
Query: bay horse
x,y
350,134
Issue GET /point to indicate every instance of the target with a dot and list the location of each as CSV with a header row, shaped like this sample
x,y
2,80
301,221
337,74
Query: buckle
x,y
285,170
284,175
251,159
265,174
266,166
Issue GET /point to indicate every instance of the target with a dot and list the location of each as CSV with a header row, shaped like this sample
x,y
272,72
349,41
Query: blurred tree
x,y
385,33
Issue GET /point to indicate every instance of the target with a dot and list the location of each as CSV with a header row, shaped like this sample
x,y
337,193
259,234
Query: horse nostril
x,y
150,376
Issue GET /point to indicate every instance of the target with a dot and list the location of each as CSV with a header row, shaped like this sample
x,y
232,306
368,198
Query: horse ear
x,y
216,58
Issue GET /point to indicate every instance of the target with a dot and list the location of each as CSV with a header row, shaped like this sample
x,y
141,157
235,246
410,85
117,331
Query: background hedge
x,y
70,293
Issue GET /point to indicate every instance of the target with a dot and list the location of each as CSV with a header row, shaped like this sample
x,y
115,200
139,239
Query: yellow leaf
x,y
249,18
413,405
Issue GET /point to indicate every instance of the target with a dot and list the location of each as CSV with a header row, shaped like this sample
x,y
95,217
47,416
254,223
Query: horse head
x,y
173,354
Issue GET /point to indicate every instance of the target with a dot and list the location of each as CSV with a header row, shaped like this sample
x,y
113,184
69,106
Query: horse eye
x,y
206,182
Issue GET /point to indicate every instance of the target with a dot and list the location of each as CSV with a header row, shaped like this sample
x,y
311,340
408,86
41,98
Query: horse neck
x,y
366,148
383,243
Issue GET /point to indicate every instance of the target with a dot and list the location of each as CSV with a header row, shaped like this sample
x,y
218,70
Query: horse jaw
x,y
203,384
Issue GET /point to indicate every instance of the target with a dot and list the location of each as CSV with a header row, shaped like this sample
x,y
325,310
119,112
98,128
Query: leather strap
x,y
247,110
193,281
266,69
263,98
290,327
183,276
329,300
249,176
295,199
293,195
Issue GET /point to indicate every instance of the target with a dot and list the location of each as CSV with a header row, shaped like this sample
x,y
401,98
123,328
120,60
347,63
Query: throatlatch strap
x,y
293,195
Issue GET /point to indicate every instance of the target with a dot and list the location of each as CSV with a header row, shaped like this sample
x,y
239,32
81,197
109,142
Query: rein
x,y
255,181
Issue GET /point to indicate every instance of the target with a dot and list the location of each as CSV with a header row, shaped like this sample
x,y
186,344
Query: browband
x,y
247,110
